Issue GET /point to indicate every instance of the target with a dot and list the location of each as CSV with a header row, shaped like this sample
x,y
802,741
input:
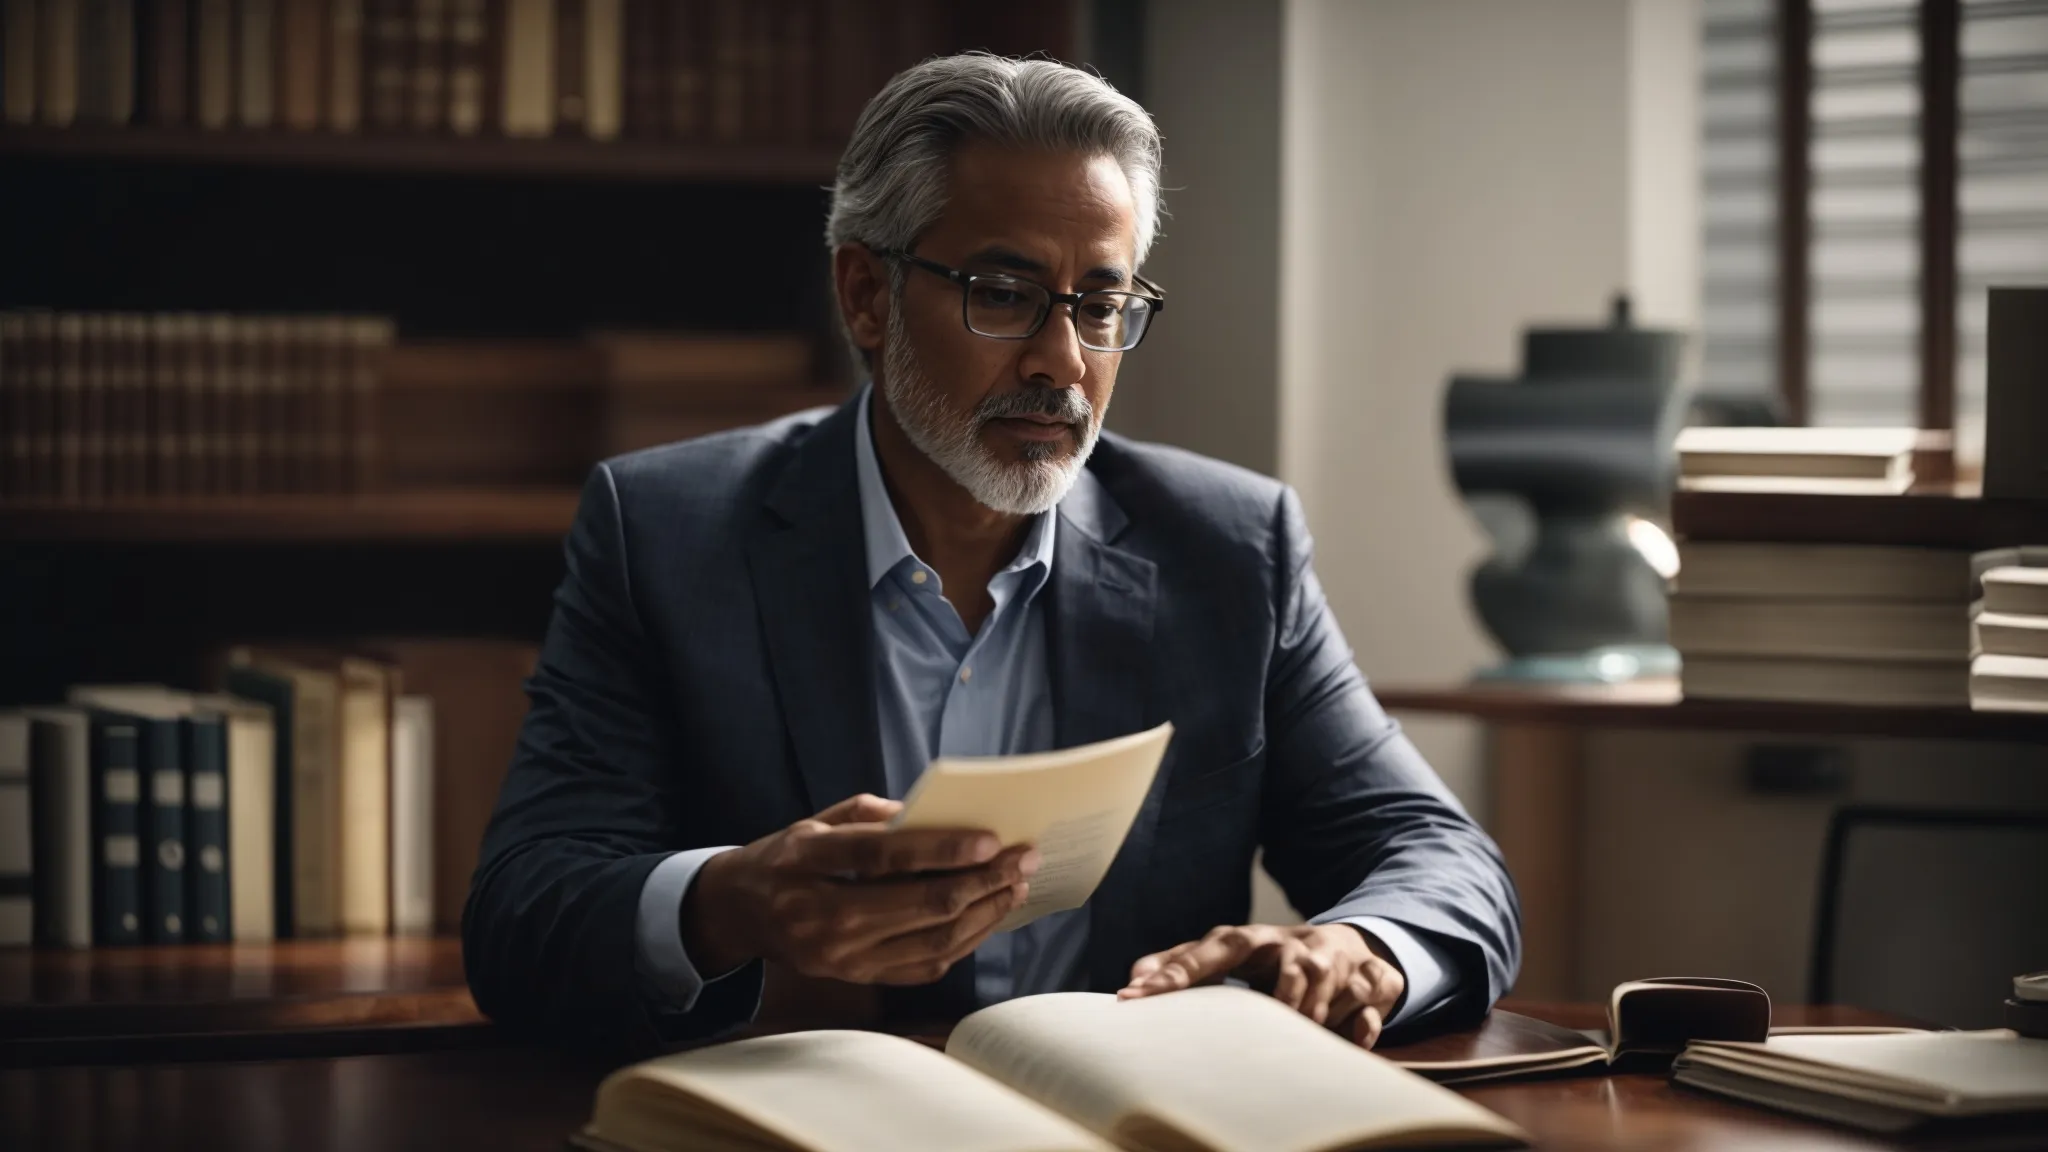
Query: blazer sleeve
x,y
1354,822
588,809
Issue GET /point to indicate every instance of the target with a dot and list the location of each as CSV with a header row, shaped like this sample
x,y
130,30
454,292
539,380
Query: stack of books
x,y
1831,461
747,72
1827,623
298,802
2009,672
106,406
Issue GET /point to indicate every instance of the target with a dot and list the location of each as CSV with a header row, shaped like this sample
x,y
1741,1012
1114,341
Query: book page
x,y
1218,1068
1075,805
824,1091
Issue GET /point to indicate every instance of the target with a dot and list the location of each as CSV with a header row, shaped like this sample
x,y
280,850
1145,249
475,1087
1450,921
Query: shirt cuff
x,y
667,978
1425,966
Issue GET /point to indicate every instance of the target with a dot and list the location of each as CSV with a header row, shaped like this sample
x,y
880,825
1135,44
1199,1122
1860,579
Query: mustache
x,y
1066,405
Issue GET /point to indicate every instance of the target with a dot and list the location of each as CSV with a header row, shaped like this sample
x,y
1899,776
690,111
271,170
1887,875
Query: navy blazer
x,y
708,678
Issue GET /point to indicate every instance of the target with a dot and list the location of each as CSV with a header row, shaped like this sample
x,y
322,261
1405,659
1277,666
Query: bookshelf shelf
x,y
600,160
1657,704
512,515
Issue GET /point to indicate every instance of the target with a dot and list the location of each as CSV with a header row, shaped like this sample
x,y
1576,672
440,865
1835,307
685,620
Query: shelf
x,y
1938,516
514,515
1657,704
212,1000
613,160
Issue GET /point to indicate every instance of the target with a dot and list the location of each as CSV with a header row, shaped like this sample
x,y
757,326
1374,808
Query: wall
x,y
1205,378
1453,170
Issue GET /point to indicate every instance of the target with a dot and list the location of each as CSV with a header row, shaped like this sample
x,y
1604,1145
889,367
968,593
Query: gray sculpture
x,y
1584,437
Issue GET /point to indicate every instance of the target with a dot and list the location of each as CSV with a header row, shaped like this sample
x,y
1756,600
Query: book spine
x,y
163,768
209,382
161,351
570,69
529,108
17,866
728,70
206,890
214,68
279,695
220,381
116,830
165,43
644,36
467,37
14,406
251,850
71,407
117,420
57,76
852,68
685,86
604,72
364,799
299,80
40,343
762,121
256,58
491,68
18,65
94,391
429,85
121,61
387,40
61,791
93,65
370,344
412,816
329,349
344,51
132,478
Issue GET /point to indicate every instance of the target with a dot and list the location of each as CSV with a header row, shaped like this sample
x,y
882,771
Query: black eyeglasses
x,y
1012,308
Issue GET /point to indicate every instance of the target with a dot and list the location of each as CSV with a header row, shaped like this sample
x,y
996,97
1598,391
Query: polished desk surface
x,y
325,997
516,1098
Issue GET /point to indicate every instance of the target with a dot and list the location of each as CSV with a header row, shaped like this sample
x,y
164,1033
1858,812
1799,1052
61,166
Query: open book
x,y
1075,805
1211,1069
1648,1023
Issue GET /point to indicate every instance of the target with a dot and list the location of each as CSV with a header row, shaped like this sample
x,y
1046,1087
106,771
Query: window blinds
x,y
1738,208
2002,194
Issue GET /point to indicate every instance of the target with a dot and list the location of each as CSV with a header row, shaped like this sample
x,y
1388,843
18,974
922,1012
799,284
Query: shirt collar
x,y
887,546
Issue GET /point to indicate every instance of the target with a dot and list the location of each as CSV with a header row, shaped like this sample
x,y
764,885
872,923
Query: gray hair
x,y
892,178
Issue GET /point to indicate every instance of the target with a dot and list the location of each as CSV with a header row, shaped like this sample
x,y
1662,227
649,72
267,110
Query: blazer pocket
x,y
1234,782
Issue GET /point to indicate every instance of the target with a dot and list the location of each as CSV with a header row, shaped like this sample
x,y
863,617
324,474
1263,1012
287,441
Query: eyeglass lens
x,y
1010,309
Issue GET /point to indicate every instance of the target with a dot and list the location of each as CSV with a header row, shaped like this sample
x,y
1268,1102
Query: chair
x,y
1930,913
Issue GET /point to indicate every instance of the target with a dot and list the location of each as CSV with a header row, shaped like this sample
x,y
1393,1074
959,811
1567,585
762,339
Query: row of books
x,y
732,71
298,801
2009,663
103,406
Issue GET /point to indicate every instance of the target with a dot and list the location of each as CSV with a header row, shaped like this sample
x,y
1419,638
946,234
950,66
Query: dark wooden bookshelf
x,y
539,515
1658,704
193,1001
552,157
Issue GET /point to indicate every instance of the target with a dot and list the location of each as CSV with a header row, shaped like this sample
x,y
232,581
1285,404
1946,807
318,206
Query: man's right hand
x,y
842,895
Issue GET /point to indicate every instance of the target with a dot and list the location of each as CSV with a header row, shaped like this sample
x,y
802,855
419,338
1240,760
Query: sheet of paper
x,y
1075,805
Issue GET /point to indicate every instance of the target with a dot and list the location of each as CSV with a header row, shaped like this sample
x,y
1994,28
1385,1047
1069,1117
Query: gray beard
x,y
1029,487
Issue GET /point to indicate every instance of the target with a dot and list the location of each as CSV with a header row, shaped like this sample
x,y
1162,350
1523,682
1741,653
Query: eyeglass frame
x,y
1072,300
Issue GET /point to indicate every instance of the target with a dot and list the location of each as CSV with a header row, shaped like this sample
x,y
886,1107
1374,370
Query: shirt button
x,y
917,577
966,674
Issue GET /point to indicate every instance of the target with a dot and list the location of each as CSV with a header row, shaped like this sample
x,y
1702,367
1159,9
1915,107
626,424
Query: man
x,y
765,633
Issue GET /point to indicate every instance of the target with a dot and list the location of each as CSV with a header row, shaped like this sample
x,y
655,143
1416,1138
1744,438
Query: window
x,y
1903,132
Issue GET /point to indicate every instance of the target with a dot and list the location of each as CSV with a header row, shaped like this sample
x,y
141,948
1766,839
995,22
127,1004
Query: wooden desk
x,y
295,997
521,1098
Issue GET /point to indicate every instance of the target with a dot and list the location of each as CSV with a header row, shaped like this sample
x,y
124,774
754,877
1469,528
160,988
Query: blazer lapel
x,y
810,587
1100,631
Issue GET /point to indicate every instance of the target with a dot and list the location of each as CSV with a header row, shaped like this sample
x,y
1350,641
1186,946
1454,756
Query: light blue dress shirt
x,y
942,692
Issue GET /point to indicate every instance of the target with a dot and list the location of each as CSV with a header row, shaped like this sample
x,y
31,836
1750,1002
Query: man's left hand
x,y
1334,974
